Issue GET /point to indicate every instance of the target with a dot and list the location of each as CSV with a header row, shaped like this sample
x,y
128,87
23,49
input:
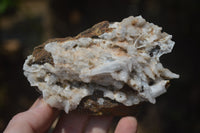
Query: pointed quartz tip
x,y
176,76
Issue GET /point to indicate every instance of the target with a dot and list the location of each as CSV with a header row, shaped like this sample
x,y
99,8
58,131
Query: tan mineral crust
x,y
107,69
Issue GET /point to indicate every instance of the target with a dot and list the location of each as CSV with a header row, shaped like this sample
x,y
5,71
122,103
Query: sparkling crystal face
x,y
120,59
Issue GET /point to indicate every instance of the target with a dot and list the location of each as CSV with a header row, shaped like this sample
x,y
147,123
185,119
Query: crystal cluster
x,y
120,59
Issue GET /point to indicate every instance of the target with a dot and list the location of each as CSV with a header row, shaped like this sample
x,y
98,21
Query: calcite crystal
x,y
106,66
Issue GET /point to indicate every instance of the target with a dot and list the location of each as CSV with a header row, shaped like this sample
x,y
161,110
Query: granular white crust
x,y
126,55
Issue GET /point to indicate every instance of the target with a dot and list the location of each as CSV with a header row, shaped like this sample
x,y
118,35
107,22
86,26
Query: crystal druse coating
x,y
119,59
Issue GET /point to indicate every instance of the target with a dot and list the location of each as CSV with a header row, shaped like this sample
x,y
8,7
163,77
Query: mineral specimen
x,y
106,66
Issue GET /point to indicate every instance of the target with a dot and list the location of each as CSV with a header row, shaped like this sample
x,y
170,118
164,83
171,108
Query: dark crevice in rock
x,y
128,90
154,50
